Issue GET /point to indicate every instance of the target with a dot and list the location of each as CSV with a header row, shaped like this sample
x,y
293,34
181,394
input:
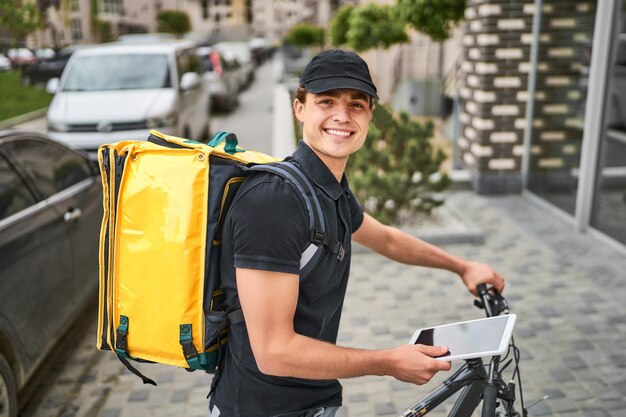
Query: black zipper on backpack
x,y
105,315
160,141
116,181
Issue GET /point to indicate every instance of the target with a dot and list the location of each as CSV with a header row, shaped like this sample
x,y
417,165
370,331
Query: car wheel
x,y
8,392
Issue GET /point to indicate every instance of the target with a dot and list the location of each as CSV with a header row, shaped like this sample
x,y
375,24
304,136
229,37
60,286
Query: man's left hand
x,y
478,273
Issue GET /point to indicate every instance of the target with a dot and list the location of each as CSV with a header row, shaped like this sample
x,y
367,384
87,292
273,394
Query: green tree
x,y
339,25
373,26
398,170
305,34
101,29
173,21
20,17
435,18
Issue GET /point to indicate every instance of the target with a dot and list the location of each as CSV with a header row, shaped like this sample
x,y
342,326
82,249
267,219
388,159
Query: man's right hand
x,y
416,363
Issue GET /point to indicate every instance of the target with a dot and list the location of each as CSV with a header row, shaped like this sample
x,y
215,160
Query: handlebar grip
x,y
483,293
482,289
490,396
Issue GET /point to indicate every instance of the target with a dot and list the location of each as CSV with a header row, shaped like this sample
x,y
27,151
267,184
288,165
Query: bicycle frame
x,y
470,377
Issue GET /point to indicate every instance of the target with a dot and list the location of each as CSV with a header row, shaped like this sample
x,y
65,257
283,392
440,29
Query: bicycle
x,y
479,385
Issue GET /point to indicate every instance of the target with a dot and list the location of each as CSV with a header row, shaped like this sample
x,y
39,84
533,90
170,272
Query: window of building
x,y
77,32
111,6
560,97
74,5
205,9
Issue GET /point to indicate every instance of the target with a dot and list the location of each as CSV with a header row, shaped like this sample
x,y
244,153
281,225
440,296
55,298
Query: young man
x,y
283,360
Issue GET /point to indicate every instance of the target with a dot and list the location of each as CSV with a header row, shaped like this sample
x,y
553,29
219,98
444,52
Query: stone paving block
x,y
561,375
541,409
574,363
110,412
618,413
179,396
140,395
571,414
384,409
594,412
69,411
561,405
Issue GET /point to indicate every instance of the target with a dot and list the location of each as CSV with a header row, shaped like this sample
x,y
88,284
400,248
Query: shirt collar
x,y
318,172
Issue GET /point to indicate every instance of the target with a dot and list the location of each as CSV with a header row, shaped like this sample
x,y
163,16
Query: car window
x,y
118,72
14,194
52,167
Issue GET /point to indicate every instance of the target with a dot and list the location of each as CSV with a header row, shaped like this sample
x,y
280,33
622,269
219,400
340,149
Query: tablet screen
x,y
466,338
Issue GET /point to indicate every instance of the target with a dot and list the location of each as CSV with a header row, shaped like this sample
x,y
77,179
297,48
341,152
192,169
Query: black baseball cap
x,y
337,68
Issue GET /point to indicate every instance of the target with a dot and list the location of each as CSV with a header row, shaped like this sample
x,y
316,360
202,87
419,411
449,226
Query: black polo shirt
x,y
267,229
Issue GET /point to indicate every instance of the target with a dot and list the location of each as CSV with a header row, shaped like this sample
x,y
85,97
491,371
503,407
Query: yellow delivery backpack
x,y
164,203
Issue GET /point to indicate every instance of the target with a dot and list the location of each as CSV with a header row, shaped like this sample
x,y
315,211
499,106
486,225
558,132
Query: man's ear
x,y
298,110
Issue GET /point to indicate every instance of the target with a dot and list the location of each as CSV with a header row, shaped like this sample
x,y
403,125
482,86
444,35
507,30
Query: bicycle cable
x,y
517,357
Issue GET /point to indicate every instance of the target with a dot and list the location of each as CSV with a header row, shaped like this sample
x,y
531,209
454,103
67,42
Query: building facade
x,y
211,20
544,106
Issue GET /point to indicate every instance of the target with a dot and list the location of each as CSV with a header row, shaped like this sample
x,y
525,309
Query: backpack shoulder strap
x,y
319,238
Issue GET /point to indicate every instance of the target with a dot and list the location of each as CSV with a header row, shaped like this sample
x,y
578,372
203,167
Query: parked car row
x,y
119,90
44,69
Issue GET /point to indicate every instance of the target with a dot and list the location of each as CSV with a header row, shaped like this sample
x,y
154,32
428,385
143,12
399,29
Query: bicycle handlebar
x,y
491,301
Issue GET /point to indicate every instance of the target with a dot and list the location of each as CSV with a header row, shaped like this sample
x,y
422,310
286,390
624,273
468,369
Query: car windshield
x,y
118,72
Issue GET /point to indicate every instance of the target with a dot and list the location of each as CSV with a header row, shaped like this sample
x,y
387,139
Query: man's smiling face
x,y
335,123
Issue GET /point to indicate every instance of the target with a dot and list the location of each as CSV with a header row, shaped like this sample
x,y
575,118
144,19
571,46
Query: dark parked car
x,y
50,213
224,78
43,70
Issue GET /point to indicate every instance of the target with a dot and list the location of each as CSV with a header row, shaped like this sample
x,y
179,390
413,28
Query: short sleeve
x,y
356,211
268,225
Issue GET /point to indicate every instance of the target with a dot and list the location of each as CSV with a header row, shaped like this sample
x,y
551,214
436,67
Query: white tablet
x,y
469,339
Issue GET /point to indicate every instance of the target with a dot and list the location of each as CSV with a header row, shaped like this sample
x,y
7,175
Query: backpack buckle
x,y
317,237
189,350
339,251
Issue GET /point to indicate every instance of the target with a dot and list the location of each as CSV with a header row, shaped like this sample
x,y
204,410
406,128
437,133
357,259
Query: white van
x,y
119,91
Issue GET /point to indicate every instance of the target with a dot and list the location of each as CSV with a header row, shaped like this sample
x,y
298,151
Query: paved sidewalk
x,y
567,289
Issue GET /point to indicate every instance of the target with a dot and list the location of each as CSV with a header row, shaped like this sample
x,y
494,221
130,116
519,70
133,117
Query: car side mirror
x,y
52,86
189,80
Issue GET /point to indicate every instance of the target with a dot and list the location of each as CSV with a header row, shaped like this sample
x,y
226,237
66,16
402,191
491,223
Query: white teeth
x,y
338,132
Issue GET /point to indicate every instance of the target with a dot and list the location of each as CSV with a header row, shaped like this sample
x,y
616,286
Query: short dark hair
x,y
301,92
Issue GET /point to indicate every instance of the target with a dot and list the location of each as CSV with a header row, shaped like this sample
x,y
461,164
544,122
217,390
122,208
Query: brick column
x,y
495,73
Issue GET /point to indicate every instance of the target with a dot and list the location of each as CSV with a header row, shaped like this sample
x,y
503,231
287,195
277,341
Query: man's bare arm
x,y
402,247
269,299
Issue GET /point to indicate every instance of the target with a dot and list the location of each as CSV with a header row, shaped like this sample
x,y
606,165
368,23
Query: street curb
x,y
467,233
22,118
